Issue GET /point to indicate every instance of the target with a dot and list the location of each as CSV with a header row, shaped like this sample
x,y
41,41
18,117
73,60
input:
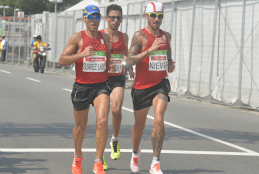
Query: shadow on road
x,y
10,129
18,165
191,171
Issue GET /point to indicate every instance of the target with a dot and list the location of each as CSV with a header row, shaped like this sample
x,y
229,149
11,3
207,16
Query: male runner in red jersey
x,y
150,51
89,50
119,52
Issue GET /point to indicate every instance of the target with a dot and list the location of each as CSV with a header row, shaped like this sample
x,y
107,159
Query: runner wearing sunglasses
x,y
150,51
89,50
119,50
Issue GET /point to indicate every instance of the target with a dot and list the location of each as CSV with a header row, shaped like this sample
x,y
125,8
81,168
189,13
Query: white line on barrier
x,y
199,134
33,79
67,89
5,71
53,150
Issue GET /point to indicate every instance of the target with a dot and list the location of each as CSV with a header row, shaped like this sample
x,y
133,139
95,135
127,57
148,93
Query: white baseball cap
x,y
35,35
154,7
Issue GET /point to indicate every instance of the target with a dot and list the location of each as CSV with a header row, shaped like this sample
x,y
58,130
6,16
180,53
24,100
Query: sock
x,y
155,160
114,139
135,153
78,156
96,160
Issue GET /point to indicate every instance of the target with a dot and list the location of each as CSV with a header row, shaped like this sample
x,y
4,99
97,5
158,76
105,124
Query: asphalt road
x,y
37,121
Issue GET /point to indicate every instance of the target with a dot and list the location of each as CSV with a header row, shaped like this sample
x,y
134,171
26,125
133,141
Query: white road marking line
x,y
33,79
196,133
199,134
5,71
67,89
46,150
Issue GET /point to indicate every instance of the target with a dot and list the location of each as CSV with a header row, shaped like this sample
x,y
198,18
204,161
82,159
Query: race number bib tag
x,y
96,63
117,60
158,60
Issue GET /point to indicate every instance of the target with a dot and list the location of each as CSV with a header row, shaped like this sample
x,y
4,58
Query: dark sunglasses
x,y
114,17
91,17
154,15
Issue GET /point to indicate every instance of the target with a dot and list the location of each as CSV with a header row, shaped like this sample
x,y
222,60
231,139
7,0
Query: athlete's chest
x,y
148,42
118,47
98,44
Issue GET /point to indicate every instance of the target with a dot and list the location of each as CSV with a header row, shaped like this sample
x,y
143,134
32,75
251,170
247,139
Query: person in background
x,y
3,48
37,44
0,50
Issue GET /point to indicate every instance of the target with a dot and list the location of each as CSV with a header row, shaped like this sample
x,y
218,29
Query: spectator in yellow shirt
x,y
38,43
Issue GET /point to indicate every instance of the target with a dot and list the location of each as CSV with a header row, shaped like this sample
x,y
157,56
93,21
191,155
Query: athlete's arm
x,y
111,66
136,45
126,40
171,63
68,56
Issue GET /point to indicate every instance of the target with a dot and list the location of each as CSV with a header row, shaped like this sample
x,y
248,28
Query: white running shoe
x,y
135,161
155,169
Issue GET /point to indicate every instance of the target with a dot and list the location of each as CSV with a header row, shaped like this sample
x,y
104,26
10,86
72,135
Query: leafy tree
x,y
34,6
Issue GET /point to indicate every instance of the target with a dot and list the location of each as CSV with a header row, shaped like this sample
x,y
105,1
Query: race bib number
x,y
117,60
96,63
158,60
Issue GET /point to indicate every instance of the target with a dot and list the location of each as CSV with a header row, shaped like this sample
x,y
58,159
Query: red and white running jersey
x,y
152,69
93,69
117,51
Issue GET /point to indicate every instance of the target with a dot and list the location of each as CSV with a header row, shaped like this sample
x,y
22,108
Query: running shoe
x,y
77,165
135,162
115,150
105,165
98,168
155,169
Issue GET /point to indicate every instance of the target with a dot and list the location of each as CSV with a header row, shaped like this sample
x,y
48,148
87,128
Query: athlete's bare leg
x,y
102,108
137,130
81,118
159,104
117,100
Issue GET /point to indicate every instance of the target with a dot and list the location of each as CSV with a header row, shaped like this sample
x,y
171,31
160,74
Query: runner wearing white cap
x,y
150,51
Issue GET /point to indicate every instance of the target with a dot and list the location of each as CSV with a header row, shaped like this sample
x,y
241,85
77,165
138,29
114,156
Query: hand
x,y
112,67
132,74
171,66
156,44
88,51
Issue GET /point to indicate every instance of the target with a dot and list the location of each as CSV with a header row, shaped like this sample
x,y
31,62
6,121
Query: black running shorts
x,y
116,81
143,98
84,94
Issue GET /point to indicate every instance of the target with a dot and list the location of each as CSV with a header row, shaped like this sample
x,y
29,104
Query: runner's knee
x,y
139,126
159,120
116,110
102,123
80,129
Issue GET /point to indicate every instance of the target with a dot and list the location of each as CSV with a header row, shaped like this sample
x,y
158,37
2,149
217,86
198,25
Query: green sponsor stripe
x,y
117,56
100,53
159,52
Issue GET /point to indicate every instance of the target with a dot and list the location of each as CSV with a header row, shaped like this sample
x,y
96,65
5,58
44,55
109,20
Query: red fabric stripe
x,y
163,8
154,6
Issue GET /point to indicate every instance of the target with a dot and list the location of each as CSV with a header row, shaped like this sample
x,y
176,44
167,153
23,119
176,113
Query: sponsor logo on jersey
x,y
116,49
